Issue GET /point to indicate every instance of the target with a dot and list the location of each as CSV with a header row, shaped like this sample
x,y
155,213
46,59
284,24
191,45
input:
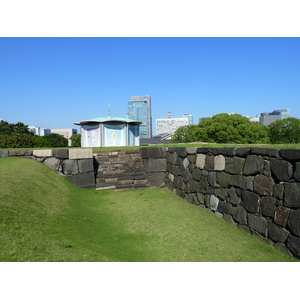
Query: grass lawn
x,y
43,217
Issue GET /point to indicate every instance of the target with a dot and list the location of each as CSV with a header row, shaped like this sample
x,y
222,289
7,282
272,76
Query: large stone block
x,y
228,151
233,197
263,185
155,179
294,222
153,152
200,160
234,165
80,153
4,154
281,170
278,191
277,233
209,163
70,167
223,179
293,244
181,151
221,193
224,208
253,165
250,201
61,153
52,163
238,181
268,206
219,163
86,180
153,165
185,163
214,202
18,153
290,154
292,194
297,171
239,214
243,152
281,215
265,152
42,153
196,174
86,165
258,224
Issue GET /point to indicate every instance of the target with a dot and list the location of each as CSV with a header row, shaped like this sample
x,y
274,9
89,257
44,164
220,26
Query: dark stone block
x,y
277,233
239,214
243,152
224,208
70,167
253,165
203,185
221,193
52,163
192,198
278,191
265,152
281,170
155,179
211,178
61,153
181,151
196,174
209,163
293,244
258,224
281,215
263,185
250,201
178,161
152,152
192,158
290,154
297,171
230,151
238,181
234,165
86,180
268,206
17,153
294,222
223,179
153,165
86,165
233,197
292,194
213,151
200,198
186,176
194,186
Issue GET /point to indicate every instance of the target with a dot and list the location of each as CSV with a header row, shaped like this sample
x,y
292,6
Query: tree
x,y
285,131
76,140
56,140
9,128
184,134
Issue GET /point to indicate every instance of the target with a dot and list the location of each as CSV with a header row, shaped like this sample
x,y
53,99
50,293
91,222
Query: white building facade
x,y
170,125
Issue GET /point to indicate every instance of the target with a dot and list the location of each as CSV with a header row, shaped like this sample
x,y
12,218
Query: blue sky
x,y
53,82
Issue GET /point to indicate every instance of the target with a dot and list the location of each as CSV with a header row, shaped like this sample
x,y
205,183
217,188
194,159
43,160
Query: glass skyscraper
x,y
139,108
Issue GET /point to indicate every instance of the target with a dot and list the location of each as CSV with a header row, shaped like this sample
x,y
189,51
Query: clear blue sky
x,y
53,82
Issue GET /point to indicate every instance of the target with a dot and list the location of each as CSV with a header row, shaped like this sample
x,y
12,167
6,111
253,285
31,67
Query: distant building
x,y
109,132
254,119
170,125
277,114
139,108
67,133
39,131
190,117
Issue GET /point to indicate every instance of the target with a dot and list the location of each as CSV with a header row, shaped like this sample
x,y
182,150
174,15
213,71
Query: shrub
x,y
55,140
76,140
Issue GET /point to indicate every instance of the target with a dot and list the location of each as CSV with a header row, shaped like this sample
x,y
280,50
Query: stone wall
x,y
255,189
76,164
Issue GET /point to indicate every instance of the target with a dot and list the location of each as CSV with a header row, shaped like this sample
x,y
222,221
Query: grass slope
x,y
45,218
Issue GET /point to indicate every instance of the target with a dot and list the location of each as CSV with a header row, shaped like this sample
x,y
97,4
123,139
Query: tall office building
x,y
277,114
190,117
139,108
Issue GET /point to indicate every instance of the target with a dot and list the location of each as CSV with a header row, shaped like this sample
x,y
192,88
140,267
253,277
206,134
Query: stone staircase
x,y
119,170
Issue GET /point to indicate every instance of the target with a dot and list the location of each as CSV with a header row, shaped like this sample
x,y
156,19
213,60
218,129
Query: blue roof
x,y
108,119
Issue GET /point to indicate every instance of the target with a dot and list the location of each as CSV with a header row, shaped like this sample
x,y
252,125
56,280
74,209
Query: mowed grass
x,y
45,218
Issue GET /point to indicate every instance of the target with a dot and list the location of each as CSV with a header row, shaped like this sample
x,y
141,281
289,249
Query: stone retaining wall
x,y
76,164
257,190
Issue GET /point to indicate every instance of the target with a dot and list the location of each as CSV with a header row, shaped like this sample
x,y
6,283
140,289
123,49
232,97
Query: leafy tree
x,y
285,131
9,128
55,140
76,140
184,134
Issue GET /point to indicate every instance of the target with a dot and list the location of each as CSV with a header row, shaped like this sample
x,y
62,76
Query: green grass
x,y
45,218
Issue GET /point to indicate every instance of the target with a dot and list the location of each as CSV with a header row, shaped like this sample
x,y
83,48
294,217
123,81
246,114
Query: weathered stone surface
x,y
4,154
244,152
178,161
228,219
196,174
152,152
61,153
181,151
250,183
294,222
281,170
250,201
277,233
19,152
297,171
192,198
268,206
281,215
219,162
221,193
200,198
211,151
293,244
155,179
223,179
192,158
153,165
211,178
290,154
278,191
86,180
207,200
267,169
86,165
52,163
214,202
238,181
239,214
194,187
292,194
42,153
185,163
258,224
228,151
233,197
234,165
203,185
186,176
253,165
191,150
200,161
224,207
263,185
173,158
70,167
265,152
209,163
80,153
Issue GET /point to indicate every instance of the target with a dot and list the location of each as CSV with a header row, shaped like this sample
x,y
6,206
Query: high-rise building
x,y
277,114
170,125
190,117
139,108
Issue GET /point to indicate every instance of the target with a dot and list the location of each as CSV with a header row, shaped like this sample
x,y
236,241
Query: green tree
x,y
184,134
9,128
55,140
76,140
285,131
